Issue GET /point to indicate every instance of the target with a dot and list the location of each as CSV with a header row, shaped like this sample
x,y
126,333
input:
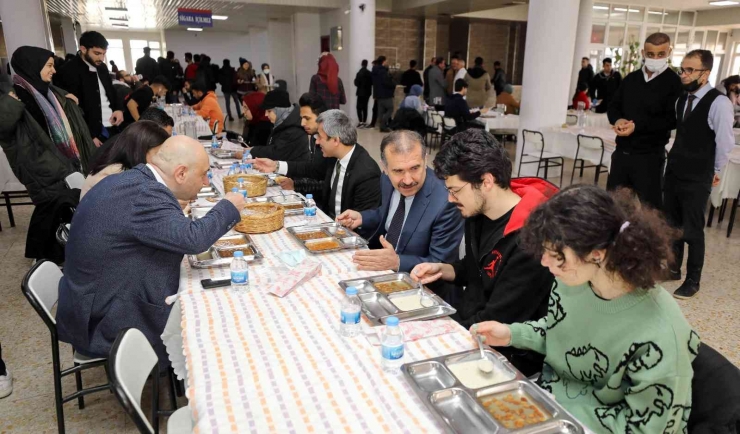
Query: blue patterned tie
x,y
394,230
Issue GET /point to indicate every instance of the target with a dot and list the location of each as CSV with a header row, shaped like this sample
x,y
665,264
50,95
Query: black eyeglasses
x,y
455,192
689,71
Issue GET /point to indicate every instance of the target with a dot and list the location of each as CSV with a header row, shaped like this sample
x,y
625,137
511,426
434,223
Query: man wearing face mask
x,y
704,139
643,113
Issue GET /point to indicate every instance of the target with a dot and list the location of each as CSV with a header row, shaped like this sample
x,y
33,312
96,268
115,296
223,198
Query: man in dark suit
x,y
457,108
87,78
415,222
126,246
352,180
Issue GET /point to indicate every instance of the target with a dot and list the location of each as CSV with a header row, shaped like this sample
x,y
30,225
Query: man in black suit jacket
x,y
352,180
87,78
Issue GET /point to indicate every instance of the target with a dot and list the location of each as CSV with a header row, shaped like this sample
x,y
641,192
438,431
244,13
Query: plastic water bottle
x,y
242,186
214,142
247,156
349,326
239,273
233,169
309,209
391,346
244,169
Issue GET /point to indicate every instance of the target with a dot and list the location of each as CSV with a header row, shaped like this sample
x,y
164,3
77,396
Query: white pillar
x,y
25,23
583,39
306,33
361,46
69,36
548,56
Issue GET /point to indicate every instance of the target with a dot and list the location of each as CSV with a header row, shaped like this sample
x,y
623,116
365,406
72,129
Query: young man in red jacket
x,y
495,280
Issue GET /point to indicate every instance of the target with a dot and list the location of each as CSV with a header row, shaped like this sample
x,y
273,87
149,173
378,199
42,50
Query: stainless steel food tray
x,y
459,408
223,153
378,306
209,191
292,202
213,256
334,232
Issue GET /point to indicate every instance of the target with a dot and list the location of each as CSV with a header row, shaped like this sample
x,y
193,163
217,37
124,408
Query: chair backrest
x,y
590,142
571,119
437,119
63,234
132,360
41,288
75,180
449,123
215,127
533,138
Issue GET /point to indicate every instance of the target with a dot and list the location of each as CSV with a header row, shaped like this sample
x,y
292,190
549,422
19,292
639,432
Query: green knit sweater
x,y
621,365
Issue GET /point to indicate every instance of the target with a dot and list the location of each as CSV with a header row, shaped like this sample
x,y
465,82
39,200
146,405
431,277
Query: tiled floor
x,y
714,313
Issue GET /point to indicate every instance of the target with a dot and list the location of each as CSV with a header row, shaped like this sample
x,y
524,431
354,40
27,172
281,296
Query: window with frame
x,y
116,53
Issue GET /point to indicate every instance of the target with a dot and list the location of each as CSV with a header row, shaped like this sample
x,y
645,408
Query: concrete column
x,y
25,23
69,36
306,49
548,60
361,46
583,39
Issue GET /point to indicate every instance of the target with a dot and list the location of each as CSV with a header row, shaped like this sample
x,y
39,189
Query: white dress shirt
x,y
343,163
458,75
157,176
104,101
721,118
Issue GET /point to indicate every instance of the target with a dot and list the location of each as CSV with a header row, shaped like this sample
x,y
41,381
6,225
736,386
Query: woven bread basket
x,y
261,218
256,184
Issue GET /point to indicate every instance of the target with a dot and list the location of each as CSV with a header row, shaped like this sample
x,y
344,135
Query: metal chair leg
x,y
78,381
710,217
732,217
56,365
10,210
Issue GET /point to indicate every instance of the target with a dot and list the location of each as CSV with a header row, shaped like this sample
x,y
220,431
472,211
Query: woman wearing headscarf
x,y
45,138
327,84
413,100
288,141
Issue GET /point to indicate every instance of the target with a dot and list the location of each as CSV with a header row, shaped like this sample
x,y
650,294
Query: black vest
x,y
692,156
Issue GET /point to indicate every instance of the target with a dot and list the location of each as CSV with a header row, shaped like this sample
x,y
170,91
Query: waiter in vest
x,y
704,139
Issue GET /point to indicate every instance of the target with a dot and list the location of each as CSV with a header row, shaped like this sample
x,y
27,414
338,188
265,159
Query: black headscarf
x,y
28,62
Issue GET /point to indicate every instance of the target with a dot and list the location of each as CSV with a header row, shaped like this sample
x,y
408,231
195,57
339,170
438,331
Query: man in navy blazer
x,y
415,222
126,244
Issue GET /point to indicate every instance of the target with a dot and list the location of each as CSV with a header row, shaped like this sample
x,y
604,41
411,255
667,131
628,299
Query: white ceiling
x,y
162,14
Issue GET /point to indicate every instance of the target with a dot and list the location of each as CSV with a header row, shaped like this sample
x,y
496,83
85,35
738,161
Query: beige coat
x,y
92,180
262,83
480,91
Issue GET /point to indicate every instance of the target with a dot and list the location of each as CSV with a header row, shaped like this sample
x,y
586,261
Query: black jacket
x,y
457,108
498,281
77,79
585,75
34,158
364,82
317,165
409,78
227,78
603,87
383,85
499,80
147,67
426,81
287,141
361,188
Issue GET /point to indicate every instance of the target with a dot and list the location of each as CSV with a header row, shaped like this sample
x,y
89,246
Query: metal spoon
x,y
424,299
484,365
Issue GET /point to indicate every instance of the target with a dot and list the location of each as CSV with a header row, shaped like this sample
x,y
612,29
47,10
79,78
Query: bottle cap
x,y
309,196
391,321
239,179
351,290
239,254
235,190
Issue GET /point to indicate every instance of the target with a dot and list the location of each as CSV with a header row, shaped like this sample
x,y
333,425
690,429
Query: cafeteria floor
x,y
714,313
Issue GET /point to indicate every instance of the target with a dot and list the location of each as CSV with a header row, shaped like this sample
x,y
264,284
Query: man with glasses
x,y
495,280
87,77
415,223
704,139
643,113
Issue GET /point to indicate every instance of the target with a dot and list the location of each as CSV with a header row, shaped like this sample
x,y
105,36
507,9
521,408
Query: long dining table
x,y
255,362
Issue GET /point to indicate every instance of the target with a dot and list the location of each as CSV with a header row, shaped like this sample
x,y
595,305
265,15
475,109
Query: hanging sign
x,y
194,17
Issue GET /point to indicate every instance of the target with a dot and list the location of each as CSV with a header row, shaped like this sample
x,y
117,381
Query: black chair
x,y
544,160
715,394
9,204
592,144
41,288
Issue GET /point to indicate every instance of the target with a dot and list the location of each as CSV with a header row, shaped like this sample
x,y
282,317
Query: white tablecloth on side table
x,y
594,119
505,122
729,180
8,180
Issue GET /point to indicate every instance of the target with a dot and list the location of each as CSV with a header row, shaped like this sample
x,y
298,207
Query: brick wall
x,y
491,42
399,39
443,39
430,41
